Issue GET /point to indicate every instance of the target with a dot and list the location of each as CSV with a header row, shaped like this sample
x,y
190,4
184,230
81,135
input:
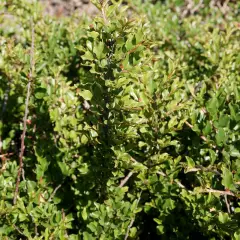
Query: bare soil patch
x,y
67,7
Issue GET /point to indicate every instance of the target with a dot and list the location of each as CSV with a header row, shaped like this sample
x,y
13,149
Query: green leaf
x,y
31,186
129,44
158,221
169,204
98,50
84,139
234,152
223,217
22,217
191,89
173,122
207,129
93,34
212,106
190,162
220,136
87,56
223,120
89,45
40,93
86,94
232,111
133,232
42,161
84,214
88,236
237,235
151,86
139,36
64,168
46,235
93,226
227,179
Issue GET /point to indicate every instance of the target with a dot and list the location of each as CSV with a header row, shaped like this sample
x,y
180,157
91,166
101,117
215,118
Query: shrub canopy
x,y
132,122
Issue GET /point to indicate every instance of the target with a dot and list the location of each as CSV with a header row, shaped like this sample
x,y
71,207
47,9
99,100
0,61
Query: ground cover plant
x,y
122,126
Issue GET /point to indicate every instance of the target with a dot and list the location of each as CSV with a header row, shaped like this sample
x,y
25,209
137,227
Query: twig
x,y
63,215
179,184
133,219
19,231
158,172
202,137
190,9
189,6
103,5
32,64
224,8
189,124
23,175
124,181
225,193
54,192
16,228
36,229
196,8
6,155
162,174
227,204
175,181
63,218
211,4
200,168
228,193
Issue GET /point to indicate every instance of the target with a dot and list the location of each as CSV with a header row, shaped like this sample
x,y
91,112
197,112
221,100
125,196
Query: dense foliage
x,y
132,123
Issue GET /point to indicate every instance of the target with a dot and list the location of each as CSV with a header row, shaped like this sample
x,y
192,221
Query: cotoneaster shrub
x,y
132,128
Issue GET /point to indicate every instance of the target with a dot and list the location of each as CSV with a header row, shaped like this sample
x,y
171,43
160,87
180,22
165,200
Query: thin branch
x,y
225,193
200,168
54,192
124,181
228,193
227,204
16,228
197,7
202,137
103,5
179,184
36,229
158,172
104,16
224,8
191,9
162,174
63,218
175,181
133,219
6,155
188,8
19,231
23,175
31,72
